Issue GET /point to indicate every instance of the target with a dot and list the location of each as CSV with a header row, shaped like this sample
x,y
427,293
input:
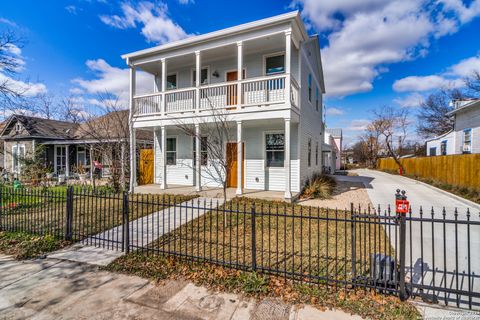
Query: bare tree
x,y
371,145
473,83
71,110
109,132
214,136
433,118
390,123
10,64
45,106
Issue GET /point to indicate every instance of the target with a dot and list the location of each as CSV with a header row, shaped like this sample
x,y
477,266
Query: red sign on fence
x,y
402,206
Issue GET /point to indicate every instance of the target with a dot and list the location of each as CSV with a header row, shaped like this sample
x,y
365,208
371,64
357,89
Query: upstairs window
x,y
317,101
275,64
467,141
172,81
309,156
443,148
171,151
310,87
204,79
203,151
275,149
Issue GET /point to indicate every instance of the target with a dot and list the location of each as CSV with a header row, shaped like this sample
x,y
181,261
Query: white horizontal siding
x,y
275,177
182,173
255,174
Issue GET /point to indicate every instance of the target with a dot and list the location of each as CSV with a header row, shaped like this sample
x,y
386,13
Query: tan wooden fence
x,y
461,170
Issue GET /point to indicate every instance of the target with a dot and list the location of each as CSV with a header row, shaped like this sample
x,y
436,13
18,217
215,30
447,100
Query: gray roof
x,y
335,132
42,128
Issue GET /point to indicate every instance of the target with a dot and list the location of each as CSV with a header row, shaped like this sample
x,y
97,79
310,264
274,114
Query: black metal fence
x,y
344,249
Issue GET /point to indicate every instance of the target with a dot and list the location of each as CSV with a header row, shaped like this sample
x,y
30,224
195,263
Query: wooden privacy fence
x,y
461,170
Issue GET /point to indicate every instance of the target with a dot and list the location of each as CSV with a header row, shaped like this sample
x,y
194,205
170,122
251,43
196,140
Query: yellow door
x,y
232,164
146,166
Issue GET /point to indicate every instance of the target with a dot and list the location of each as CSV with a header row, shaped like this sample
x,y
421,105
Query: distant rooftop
x,y
335,132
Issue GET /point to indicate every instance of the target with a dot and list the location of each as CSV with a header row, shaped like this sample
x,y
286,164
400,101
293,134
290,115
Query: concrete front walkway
x,y
54,289
212,192
103,248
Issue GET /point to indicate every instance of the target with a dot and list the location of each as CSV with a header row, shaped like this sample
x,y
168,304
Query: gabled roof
x,y
469,105
294,15
40,127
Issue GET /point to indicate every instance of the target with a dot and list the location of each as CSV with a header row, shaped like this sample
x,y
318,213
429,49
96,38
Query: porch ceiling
x,y
271,43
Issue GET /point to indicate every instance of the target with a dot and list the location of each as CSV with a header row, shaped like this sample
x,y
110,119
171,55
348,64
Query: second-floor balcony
x,y
266,91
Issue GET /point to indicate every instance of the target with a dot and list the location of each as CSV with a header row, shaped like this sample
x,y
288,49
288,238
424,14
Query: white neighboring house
x,y
276,69
465,136
332,150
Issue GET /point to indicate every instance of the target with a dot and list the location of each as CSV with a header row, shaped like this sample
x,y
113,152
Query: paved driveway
x,y
442,254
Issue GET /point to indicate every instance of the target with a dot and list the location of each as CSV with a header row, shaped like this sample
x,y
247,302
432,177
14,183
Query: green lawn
x,y
302,242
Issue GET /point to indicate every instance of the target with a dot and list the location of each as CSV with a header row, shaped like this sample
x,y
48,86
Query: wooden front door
x,y
232,89
232,164
146,166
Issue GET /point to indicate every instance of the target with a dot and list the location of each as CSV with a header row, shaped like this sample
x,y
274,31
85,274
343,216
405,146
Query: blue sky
x,y
375,52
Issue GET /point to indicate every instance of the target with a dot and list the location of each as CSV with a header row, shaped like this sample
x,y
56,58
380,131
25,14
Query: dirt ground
x,y
345,193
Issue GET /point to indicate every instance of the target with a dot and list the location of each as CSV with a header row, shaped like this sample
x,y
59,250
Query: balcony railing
x,y
264,91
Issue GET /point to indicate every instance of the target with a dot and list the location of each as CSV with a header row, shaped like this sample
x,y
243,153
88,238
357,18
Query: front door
x,y
146,166
61,159
232,89
232,164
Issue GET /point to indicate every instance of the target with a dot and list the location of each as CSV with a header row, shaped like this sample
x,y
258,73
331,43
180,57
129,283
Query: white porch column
x,y
164,85
239,158
198,158
91,164
239,73
288,62
133,149
288,192
198,74
67,161
163,157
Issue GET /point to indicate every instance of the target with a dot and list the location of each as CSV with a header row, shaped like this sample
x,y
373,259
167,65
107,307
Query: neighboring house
x,y
65,144
266,76
332,153
465,136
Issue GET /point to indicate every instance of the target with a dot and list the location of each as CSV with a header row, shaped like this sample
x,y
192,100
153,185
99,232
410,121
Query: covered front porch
x,y
251,157
211,192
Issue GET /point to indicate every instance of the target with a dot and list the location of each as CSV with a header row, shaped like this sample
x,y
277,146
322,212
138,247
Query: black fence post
x,y
69,212
254,241
401,210
126,229
354,242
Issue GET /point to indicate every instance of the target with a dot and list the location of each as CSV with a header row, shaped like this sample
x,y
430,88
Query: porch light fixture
x,y
215,74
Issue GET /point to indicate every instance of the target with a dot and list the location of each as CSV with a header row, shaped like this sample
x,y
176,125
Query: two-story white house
x,y
263,78
465,135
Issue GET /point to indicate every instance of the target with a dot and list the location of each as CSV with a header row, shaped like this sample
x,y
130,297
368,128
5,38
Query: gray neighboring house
x,y
464,138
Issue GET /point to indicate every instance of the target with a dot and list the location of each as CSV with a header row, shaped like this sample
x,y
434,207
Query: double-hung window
x,y
18,153
443,148
171,151
172,81
310,87
275,64
316,154
467,141
275,149
203,151
203,77
309,156
317,101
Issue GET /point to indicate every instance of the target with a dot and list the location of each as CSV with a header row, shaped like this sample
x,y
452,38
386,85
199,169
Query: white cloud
x,y
72,9
358,125
186,1
452,78
9,22
157,26
367,35
112,80
28,89
410,101
334,112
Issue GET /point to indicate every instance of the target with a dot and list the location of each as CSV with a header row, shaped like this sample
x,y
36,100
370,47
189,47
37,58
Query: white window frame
x,y
192,70
176,150
14,154
269,55
84,152
265,148
316,154
309,152
471,139
176,77
201,151
56,158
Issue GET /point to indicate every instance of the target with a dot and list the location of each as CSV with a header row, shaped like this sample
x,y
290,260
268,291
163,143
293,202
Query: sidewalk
x,y
50,289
